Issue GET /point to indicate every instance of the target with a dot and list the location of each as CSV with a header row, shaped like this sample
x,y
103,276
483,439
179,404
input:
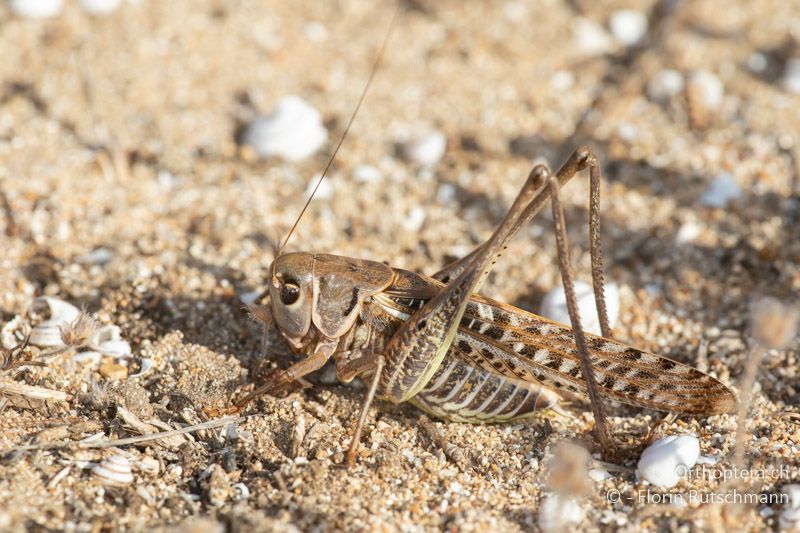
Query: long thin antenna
x,y
375,65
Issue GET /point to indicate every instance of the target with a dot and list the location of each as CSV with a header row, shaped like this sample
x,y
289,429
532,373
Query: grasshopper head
x,y
290,291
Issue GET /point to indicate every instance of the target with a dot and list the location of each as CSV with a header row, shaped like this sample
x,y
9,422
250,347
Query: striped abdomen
x,y
460,392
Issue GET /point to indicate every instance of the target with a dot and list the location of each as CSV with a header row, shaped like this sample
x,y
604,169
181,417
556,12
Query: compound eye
x,y
290,292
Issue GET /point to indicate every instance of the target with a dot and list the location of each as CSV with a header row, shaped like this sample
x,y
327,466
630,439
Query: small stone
x,y
590,38
427,150
315,31
628,26
667,460
791,76
666,84
562,81
415,219
757,62
293,130
721,191
99,7
688,232
324,191
367,174
554,306
112,370
704,93
36,9
219,486
711,88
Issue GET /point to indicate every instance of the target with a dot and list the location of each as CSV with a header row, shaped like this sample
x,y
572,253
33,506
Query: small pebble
x,y
590,38
599,474
293,130
628,26
688,232
704,95
664,462
98,256
554,305
427,150
315,31
367,174
666,84
415,219
721,191
99,7
791,76
36,9
561,81
757,62
710,88
559,513
325,190
114,371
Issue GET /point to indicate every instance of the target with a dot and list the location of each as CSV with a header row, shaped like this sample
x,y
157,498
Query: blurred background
x,y
153,153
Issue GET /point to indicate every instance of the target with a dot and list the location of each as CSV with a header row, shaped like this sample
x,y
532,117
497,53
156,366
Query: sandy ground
x,y
128,194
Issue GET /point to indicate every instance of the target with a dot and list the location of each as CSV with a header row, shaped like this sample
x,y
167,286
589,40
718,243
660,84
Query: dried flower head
x,y
774,325
568,469
16,356
78,332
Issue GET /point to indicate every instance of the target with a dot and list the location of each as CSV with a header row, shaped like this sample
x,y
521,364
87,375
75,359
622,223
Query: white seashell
x,y
554,305
790,514
427,150
721,191
36,9
293,130
9,334
99,7
665,461
107,341
791,76
559,513
48,332
240,492
628,26
115,471
147,366
590,38
665,84
91,356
